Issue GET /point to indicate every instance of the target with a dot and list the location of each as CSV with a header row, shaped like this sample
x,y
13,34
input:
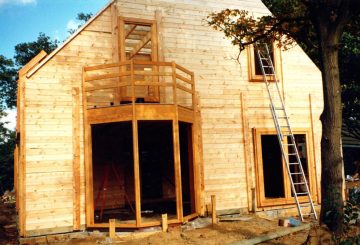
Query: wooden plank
x,y
176,149
159,35
76,157
130,20
89,208
130,31
112,226
164,222
140,45
104,76
184,69
22,163
184,79
33,62
147,73
16,176
317,187
199,162
213,209
147,83
184,88
135,152
246,144
122,54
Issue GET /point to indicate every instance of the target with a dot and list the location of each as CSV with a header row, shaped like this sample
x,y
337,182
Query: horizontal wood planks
x,y
51,119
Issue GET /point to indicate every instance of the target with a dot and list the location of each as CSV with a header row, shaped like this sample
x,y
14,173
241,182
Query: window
x,y
273,184
255,73
138,41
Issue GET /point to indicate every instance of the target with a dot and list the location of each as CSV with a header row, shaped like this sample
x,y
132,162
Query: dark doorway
x,y
157,175
300,141
113,172
187,168
272,167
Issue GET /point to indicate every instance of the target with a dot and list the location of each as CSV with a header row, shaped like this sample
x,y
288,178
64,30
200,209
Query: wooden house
x,y
145,110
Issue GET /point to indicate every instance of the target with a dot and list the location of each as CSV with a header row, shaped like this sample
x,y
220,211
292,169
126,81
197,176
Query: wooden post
x,y
164,222
213,209
317,187
112,225
76,157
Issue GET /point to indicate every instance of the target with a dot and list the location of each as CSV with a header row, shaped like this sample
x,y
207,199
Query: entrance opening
x,y
272,167
157,175
113,172
187,168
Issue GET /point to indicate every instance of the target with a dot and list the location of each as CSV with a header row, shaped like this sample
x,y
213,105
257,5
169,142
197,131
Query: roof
x,y
53,53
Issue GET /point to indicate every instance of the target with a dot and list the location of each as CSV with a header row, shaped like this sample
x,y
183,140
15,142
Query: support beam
x,y
76,157
112,225
213,209
141,44
130,31
164,222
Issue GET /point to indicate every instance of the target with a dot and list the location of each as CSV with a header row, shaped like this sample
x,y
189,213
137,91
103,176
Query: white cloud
x,y
17,2
10,118
72,25
57,35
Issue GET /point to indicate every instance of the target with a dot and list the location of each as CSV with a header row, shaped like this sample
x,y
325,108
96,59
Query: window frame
x,y
263,201
253,77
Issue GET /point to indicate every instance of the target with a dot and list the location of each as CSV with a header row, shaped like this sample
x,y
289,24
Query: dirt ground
x,y
8,229
199,231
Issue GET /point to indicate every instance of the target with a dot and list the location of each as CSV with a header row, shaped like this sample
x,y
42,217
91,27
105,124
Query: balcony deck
x,y
143,90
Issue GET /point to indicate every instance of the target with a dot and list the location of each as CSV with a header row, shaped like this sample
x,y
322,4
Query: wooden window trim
x,y
153,37
251,64
262,201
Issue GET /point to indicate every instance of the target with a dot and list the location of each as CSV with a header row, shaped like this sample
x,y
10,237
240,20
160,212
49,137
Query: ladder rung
x,y
281,117
293,163
296,173
300,183
291,154
301,193
288,144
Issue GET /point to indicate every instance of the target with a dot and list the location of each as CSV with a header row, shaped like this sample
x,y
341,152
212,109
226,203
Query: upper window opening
x,y
138,43
255,72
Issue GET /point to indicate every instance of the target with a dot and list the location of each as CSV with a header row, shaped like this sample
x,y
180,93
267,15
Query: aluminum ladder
x,y
290,153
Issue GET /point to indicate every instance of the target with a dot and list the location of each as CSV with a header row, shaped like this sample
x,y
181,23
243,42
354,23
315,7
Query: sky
x,y
23,20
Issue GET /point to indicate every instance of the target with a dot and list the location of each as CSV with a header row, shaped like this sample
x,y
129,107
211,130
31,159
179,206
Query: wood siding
x,y
227,118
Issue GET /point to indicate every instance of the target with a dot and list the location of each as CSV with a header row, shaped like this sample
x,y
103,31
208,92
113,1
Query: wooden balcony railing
x,y
138,82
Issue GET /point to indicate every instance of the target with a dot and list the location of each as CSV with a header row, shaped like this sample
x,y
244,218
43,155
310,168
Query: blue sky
x,y
22,20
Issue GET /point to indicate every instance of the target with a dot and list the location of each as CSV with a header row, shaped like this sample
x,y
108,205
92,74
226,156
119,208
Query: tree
x,y
7,145
24,52
318,25
349,57
7,137
7,83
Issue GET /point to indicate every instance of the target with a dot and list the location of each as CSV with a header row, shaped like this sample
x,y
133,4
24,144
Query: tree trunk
x,y
331,153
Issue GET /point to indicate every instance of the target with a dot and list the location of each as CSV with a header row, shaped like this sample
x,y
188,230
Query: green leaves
x,y
24,52
8,75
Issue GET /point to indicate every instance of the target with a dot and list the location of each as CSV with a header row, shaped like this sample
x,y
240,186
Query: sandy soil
x,y
8,230
225,232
